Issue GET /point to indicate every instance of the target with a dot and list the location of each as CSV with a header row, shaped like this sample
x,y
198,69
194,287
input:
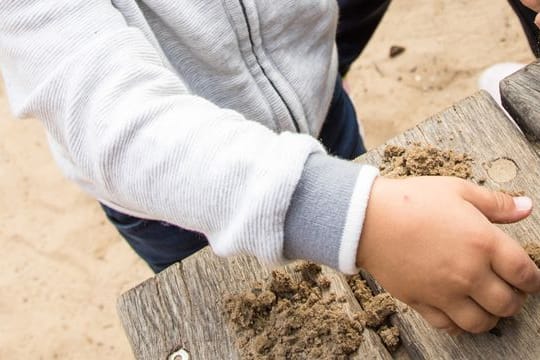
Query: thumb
x,y
498,207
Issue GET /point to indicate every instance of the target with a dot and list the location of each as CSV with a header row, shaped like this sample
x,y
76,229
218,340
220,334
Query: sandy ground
x,y
63,266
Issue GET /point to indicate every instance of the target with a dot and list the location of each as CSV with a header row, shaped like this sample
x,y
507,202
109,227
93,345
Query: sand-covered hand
x,y
431,242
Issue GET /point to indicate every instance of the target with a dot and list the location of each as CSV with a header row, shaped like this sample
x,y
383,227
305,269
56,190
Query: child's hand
x,y
533,5
429,241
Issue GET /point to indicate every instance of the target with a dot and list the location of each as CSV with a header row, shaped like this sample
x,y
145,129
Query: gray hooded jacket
x,y
201,113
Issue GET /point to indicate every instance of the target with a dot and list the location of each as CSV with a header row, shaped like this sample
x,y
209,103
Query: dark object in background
x,y
526,17
396,50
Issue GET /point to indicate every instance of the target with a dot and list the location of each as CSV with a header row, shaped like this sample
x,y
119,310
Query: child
x,y
196,121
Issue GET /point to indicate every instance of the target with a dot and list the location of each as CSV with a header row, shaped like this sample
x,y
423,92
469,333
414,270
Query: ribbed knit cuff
x,y
325,217
355,219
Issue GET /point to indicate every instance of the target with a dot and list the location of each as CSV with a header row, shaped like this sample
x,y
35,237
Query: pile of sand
x,y
424,160
293,317
377,311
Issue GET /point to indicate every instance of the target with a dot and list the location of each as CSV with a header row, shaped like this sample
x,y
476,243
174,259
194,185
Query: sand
x,y
63,266
377,311
533,250
424,160
292,317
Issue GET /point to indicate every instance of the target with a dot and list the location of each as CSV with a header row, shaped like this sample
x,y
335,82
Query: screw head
x,y
181,354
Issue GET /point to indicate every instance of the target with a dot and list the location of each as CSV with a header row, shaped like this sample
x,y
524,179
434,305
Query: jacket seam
x,y
272,84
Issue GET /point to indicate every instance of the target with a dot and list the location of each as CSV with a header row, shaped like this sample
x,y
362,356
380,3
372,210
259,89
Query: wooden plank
x,y
478,127
180,308
177,308
520,94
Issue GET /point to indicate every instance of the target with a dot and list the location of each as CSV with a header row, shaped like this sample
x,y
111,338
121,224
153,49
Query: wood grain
x,y
181,308
478,127
520,94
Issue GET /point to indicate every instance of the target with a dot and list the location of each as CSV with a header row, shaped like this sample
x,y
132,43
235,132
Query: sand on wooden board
x,y
63,266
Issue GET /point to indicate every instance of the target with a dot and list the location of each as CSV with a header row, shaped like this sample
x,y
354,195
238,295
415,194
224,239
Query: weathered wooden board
x,y
520,95
181,308
478,127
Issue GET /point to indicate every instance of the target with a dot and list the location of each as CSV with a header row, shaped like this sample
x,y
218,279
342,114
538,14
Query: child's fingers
x,y
470,316
497,206
497,297
436,317
513,265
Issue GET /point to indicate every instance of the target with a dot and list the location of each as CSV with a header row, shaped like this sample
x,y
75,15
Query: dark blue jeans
x,y
161,244
358,20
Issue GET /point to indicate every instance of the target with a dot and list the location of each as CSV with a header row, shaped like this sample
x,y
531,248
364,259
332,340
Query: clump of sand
x,y
377,311
293,317
424,160
534,252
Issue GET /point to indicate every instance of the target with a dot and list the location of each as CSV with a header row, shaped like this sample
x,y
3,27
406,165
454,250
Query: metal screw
x,y
179,355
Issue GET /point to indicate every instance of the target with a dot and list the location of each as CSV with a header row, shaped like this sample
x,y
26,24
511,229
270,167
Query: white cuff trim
x,y
355,219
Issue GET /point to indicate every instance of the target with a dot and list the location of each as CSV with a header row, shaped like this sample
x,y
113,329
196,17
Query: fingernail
x,y
523,203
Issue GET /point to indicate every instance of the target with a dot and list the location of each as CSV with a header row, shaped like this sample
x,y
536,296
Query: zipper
x,y
246,19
